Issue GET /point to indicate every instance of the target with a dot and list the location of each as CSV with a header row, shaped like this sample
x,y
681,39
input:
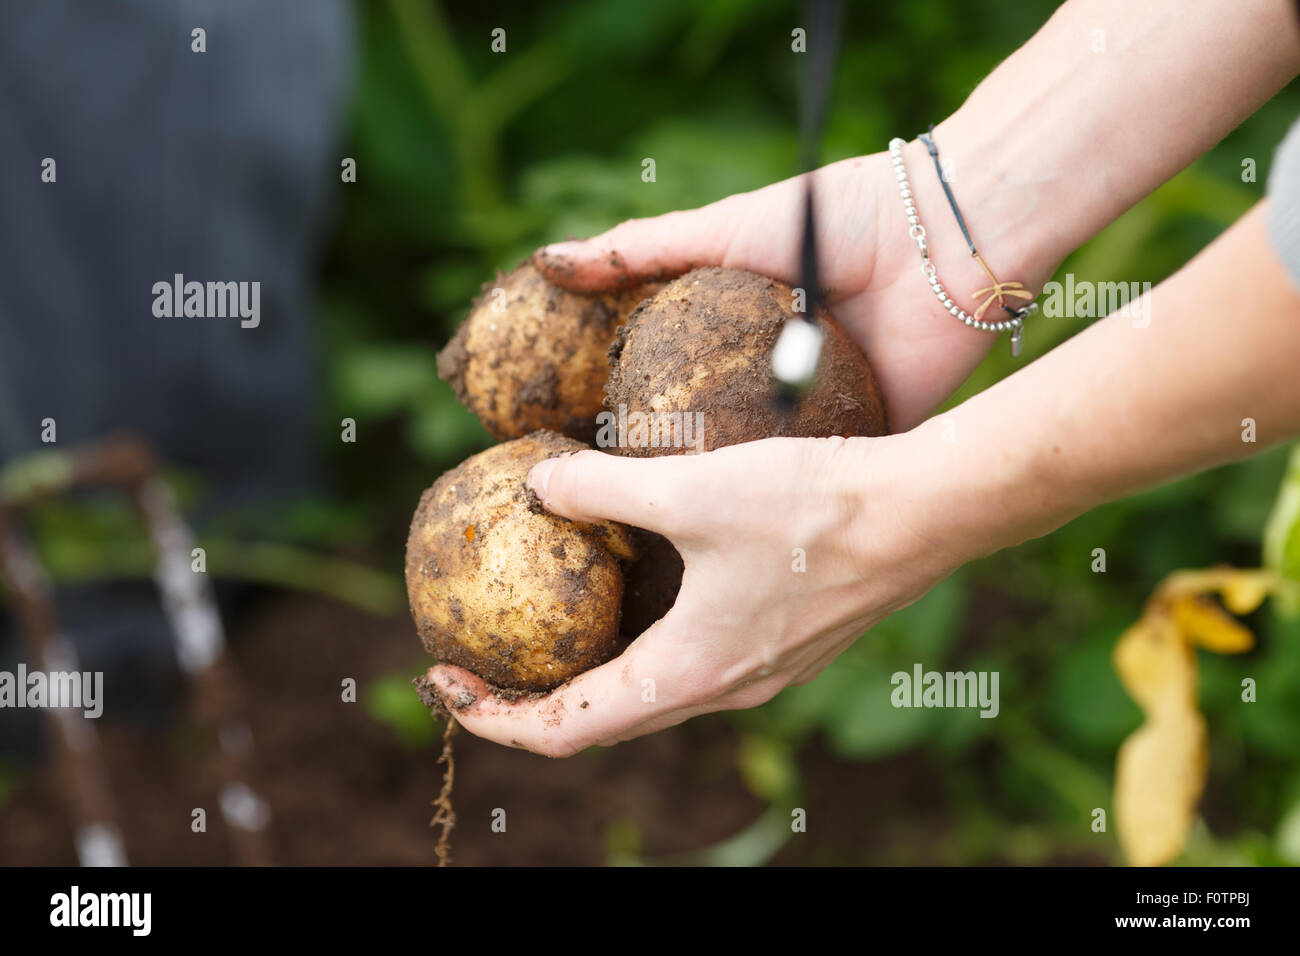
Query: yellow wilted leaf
x,y
1161,768
1159,775
1245,590
1155,664
1242,590
1206,625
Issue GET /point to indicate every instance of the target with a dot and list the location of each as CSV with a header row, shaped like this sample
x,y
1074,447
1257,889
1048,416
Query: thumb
x,y
595,486
659,247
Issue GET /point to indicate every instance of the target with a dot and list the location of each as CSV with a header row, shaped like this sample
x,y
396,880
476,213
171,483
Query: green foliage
x,y
767,764
391,701
1282,534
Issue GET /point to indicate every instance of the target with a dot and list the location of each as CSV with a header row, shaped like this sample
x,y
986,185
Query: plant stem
x,y
272,564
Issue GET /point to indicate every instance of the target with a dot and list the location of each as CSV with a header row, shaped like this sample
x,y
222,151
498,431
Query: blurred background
x,y
226,165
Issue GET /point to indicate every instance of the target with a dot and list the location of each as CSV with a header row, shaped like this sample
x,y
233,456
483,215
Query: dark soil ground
x,y
343,789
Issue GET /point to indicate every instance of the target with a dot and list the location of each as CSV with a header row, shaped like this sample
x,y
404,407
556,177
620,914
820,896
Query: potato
x,y
694,360
523,598
533,356
698,354
651,582
527,599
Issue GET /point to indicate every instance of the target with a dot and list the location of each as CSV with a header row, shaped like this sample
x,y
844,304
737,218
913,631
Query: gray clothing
x,y
217,165
1284,202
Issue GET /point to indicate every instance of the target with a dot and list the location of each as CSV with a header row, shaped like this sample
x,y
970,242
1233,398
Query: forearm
x,y
1123,405
1106,102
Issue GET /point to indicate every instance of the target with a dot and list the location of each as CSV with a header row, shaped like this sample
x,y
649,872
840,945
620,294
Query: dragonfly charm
x,y
996,291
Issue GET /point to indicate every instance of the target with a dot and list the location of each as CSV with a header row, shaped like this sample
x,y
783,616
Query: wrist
x,y
997,211
977,484
907,523
1043,153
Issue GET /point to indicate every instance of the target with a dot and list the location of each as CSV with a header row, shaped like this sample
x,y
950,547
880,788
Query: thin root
x,y
444,816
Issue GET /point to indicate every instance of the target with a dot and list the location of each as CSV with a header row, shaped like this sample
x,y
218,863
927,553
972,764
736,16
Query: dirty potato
x,y
690,371
523,598
533,356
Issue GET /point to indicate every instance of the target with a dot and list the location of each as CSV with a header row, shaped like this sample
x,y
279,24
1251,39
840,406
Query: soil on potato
x,y
344,791
700,346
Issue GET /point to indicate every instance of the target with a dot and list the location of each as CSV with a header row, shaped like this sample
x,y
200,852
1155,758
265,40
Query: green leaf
x,y
383,379
930,626
769,769
393,701
442,430
1084,697
1282,533
871,726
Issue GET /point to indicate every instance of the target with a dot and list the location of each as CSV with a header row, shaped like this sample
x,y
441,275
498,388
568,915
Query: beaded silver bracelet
x,y
995,293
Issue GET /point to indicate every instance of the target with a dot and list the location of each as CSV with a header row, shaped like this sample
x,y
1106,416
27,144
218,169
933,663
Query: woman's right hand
x,y
870,267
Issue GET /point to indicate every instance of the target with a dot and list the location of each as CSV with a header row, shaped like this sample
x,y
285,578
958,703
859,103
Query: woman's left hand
x,y
793,547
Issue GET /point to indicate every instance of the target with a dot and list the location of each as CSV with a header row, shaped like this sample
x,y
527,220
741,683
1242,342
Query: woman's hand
x,y
870,267
792,546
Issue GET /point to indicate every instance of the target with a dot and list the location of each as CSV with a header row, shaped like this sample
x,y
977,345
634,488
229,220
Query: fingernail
x,y
539,476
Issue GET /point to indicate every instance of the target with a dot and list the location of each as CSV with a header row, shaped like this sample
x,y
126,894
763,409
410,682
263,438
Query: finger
x,y
739,231
662,246
595,486
743,696
603,704
457,687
